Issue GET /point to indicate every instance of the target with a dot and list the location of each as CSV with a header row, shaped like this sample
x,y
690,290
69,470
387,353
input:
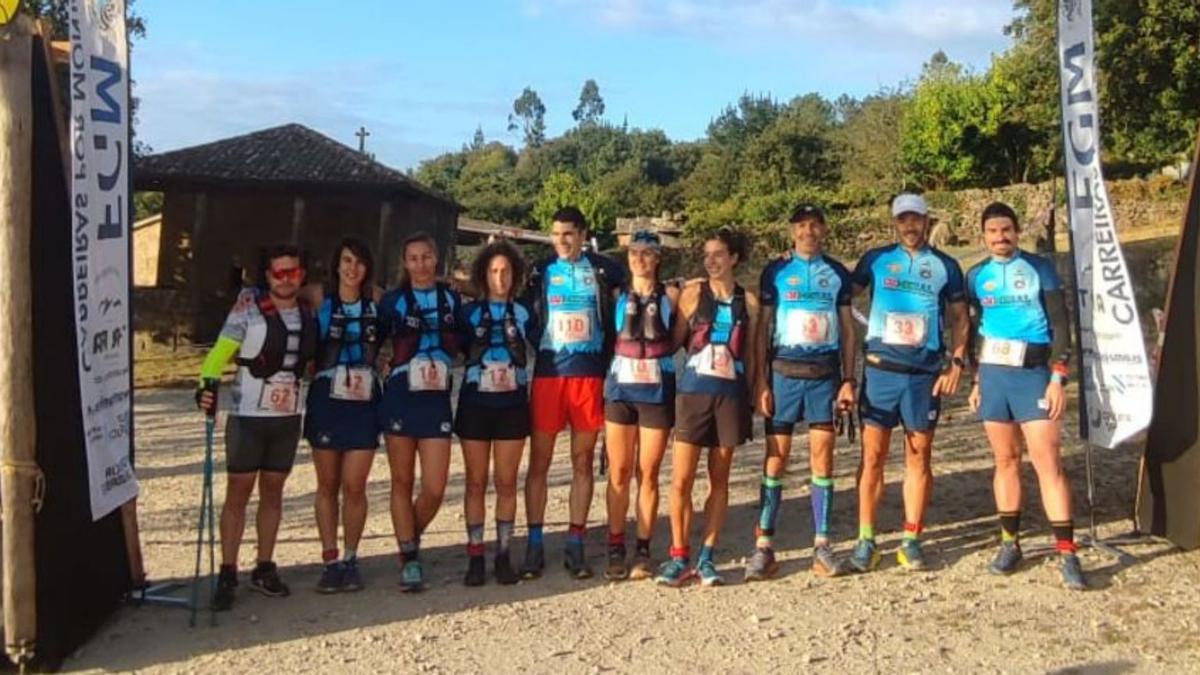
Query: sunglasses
x,y
288,274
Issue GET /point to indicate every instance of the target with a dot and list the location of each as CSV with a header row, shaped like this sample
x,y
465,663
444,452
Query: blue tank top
x,y
909,294
664,391
806,294
1009,295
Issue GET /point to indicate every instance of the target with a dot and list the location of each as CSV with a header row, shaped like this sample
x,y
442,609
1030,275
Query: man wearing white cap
x,y
916,292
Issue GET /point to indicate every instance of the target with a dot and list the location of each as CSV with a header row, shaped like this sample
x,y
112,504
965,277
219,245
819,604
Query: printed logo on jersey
x,y
791,295
895,268
556,299
588,280
793,281
823,282
988,300
989,285
557,280
891,282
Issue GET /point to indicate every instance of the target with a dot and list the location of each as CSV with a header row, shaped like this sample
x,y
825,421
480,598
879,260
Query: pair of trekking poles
x,y
207,519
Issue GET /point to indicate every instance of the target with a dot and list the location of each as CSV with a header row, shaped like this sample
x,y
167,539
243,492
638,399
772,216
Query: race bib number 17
x,y
352,384
497,377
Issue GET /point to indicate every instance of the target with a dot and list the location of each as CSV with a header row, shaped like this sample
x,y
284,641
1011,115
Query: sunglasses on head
x,y
288,274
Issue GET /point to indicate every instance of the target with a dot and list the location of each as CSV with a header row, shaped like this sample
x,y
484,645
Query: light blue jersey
x,y
806,294
569,294
1009,295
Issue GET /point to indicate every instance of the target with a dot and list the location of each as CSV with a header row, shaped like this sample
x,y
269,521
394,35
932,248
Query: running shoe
x,y
823,562
227,582
762,565
505,574
575,560
1007,558
535,562
265,579
351,579
1072,573
333,578
412,577
476,571
617,570
865,557
910,556
707,571
675,573
642,568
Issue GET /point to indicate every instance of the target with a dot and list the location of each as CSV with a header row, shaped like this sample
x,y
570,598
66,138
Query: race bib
x,y
805,327
280,395
567,328
998,352
428,374
352,384
497,377
638,371
905,329
717,361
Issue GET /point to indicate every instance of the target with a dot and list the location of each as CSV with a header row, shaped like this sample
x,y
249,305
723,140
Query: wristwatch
x,y
957,361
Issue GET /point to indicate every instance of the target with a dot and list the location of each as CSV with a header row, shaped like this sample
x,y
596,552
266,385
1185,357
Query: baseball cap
x,y
909,203
646,239
806,211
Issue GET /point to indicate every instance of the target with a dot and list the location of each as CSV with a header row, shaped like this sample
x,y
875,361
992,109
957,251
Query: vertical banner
x,y
1115,379
100,157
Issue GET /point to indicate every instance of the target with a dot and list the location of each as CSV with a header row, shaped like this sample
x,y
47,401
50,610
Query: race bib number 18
x,y
905,329
428,374
638,371
280,395
571,328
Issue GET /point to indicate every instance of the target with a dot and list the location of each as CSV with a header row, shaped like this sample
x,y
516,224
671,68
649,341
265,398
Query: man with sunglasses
x,y
809,341
272,339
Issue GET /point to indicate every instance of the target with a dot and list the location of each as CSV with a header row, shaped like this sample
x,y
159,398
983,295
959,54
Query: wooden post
x,y
298,219
19,473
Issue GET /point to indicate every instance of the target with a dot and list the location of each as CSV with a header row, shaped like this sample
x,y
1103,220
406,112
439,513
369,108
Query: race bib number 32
x,y
569,328
352,384
280,395
428,374
905,329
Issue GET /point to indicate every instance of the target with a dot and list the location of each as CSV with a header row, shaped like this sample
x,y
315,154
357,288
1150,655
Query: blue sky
x,y
420,75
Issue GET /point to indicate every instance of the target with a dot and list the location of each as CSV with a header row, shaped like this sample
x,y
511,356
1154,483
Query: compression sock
x,y
576,534
772,495
822,494
535,535
643,547
1010,526
475,540
912,530
866,531
1064,535
409,550
504,529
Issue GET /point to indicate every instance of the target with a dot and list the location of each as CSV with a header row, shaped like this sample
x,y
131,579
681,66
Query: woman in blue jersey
x,y
420,318
718,320
493,404
340,422
639,402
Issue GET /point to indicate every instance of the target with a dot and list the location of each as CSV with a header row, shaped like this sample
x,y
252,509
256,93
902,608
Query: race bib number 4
x,y
280,395
998,352
717,361
428,374
497,378
569,328
638,371
805,327
352,384
905,329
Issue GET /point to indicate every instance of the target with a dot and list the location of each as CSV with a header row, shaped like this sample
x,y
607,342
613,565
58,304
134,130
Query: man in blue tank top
x,y
916,293
808,340
1023,349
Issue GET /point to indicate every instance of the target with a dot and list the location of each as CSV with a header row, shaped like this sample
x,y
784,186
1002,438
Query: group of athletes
x,y
604,340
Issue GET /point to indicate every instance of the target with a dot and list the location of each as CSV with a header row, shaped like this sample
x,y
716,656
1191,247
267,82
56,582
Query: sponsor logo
x,y
589,280
445,427
891,282
823,283
926,273
791,295
558,280
989,285
895,268
988,301
1019,284
556,299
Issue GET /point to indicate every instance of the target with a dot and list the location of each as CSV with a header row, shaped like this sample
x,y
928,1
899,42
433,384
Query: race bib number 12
x,y
352,384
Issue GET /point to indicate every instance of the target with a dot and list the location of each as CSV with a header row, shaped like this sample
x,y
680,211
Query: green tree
x,y
867,144
945,126
529,117
562,189
591,105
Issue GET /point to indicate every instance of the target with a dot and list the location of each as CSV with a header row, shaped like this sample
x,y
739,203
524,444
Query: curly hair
x,y
483,261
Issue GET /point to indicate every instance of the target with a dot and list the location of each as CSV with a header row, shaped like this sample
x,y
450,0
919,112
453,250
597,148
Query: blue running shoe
x,y
1072,573
865,557
535,562
1007,558
412,577
910,556
707,571
351,579
762,565
674,573
823,562
333,578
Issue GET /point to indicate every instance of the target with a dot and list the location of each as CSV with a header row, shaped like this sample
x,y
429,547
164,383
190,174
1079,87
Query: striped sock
x,y
475,540
822,495
912,530
1010,526
1064,535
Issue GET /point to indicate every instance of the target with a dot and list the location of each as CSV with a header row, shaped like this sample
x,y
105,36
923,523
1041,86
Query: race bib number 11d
x,y
569,328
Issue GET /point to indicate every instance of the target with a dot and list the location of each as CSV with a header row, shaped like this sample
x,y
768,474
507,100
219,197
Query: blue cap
x,y
646,239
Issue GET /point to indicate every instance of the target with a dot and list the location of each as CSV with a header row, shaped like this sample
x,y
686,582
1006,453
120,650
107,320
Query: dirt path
x,y
953,618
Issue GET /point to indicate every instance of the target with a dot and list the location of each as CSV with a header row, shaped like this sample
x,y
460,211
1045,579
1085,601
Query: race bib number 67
x,y
280,395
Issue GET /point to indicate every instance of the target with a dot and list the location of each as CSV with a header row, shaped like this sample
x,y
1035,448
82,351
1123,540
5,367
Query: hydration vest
x,y
270,358
702,321
644,334
481,336
337,338
406,339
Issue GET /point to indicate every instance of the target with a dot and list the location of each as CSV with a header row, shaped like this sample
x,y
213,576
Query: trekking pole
x,y
206,509
209,509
